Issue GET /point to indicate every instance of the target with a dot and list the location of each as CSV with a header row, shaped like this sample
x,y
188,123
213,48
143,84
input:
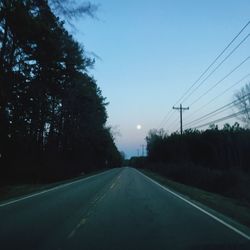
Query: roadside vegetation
x,y
53,115
21,189
216,160
232,208
210,167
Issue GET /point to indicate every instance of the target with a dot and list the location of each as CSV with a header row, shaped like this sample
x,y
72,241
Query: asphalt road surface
x,y
117,209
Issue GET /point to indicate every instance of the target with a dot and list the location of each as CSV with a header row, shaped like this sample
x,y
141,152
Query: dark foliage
x,y
215,160
213,148
52,114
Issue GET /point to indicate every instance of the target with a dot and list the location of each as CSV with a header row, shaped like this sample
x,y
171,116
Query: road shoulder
x,y
10,193
230,211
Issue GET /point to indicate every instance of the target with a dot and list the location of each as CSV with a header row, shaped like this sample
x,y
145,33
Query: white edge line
x,y
199,208
48,190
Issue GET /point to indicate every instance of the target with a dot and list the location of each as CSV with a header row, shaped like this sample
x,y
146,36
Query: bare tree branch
x,y
243,104
71,9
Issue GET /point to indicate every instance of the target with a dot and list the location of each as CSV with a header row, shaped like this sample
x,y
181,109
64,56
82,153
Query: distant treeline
x,y
215,159
227,148
52,114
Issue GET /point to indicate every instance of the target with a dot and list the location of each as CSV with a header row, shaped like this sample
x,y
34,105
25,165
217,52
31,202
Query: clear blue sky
x,y
152,51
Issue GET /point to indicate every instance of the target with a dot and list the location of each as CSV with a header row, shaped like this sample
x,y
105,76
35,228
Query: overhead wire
x,y
222,119
213,62
219,110
214,99
217,67
221,80
170,113
166,118
173,123
221,94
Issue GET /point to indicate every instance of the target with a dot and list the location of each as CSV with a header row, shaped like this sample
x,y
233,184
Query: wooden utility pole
x,y
138,152
181,109
142,149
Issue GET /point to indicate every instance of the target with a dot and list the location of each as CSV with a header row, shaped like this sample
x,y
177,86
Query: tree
x,y
52,113
69,10
242,103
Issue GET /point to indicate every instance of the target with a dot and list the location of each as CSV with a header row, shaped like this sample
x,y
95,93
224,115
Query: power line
x,y
223,118
173,122
221,94
219,110
213,62
218,66
216,97
215,112
166,117
170,113
217,83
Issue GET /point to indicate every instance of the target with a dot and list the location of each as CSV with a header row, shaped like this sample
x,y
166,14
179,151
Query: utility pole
x,y
142,149
181,109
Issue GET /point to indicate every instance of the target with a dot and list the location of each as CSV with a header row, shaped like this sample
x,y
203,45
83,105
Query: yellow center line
x,y
82,222
94,202
71,234
113,184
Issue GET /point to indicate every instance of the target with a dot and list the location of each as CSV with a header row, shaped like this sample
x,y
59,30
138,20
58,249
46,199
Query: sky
x,y
150,52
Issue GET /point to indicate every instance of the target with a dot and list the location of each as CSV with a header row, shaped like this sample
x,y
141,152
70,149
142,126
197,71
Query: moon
x,y
138,126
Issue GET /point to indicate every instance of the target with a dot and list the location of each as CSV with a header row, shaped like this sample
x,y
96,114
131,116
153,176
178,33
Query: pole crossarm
x,y
181,110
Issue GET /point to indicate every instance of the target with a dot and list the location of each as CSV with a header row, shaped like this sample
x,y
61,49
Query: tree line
x,y
214,148
52,113
214,159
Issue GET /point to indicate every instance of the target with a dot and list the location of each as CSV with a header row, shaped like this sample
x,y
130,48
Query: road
x,y
117,209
